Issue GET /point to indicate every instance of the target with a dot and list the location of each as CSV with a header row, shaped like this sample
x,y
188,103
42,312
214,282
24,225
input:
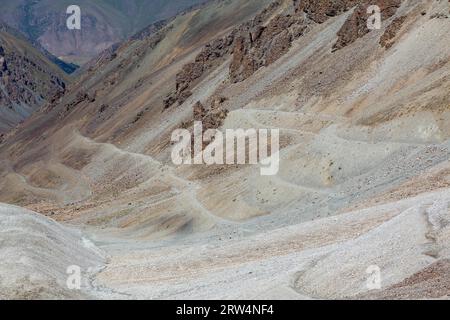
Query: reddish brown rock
x,y
280,45
205,60
199,111
356,25
189,73
264,40
213,116
169,100
386,39
242,65
183,96
320,10
263,44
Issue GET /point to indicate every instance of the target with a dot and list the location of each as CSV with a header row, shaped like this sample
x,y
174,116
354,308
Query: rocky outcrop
x,y
261,45
199,111
216,114
263,40
321,10
355,26
252,45
211,117
391,31
205,60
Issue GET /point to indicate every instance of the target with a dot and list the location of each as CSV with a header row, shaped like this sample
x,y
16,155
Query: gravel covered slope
x,y
364,166
35,254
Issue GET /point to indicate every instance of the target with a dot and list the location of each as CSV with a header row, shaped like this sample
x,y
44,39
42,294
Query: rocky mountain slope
x,y
103,23
27,79
364,176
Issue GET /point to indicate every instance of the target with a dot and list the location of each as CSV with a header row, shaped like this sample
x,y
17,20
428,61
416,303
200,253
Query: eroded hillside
x,y
103,23
364,162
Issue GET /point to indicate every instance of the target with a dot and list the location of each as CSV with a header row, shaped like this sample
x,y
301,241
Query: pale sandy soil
x,y
326,258
364,178
36,252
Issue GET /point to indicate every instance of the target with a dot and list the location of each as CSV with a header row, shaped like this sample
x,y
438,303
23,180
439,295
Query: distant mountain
x,y
28,78
103,23
65,66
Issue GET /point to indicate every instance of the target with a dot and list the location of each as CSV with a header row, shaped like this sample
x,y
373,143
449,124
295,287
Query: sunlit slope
x,y
364,158
27,79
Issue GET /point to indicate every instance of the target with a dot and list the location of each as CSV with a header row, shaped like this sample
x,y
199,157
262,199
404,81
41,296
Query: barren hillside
x,y
27,79
364,175
103,22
